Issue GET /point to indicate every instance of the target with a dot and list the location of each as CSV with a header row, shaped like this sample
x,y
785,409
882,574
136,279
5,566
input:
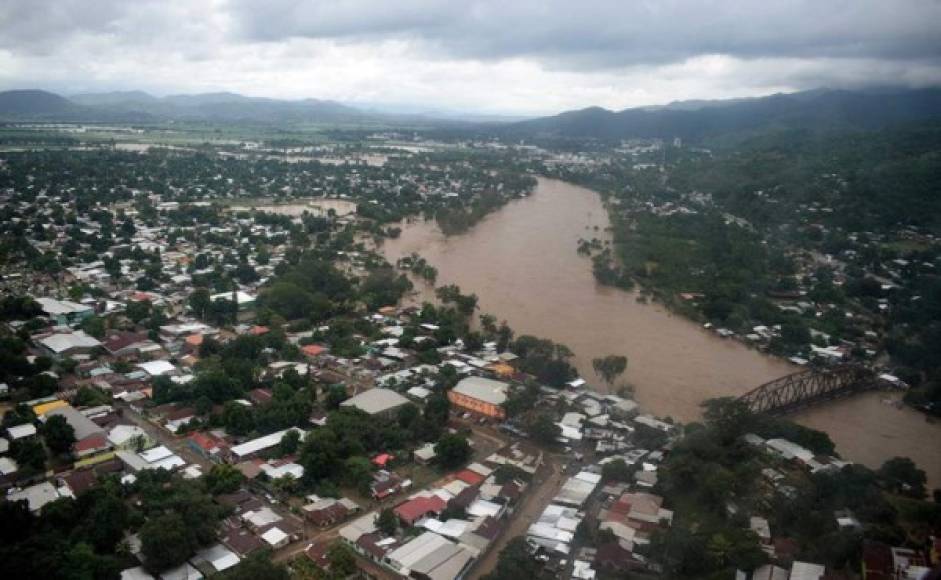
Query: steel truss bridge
x,y
810,387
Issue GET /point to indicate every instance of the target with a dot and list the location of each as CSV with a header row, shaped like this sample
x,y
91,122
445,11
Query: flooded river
x,y
521,262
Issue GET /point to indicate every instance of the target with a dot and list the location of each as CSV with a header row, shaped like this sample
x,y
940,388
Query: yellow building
x,y
43,408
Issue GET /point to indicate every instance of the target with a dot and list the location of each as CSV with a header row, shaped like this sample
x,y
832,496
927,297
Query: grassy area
x,y
421,475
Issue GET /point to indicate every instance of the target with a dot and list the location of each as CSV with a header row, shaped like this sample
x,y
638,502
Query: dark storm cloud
x,y
40,27
606,33
508,56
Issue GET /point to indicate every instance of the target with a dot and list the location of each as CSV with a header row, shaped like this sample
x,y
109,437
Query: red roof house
x,y
313,350
91,444
469,477
419,507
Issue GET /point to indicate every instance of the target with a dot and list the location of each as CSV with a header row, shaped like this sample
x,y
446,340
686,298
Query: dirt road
x,y
546,484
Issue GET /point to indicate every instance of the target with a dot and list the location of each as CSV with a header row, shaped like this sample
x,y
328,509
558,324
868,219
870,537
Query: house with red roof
x,y
124,344
193,342
419,507
260,396
91,445
313,350
469,477
207,445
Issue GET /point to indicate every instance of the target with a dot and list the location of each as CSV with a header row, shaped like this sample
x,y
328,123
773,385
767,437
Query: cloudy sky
x,y
493,56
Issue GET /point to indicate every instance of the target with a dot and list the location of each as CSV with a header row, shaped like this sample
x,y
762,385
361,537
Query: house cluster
x,y
796,454
608,423
879,561
442,530
252,527
102,439
777,478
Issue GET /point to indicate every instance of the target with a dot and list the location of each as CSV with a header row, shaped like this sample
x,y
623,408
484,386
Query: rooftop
x,y
59,343
266,442
486,390
83,426
376,401
52,307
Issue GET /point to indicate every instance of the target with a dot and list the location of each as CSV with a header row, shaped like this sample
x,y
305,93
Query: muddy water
x,y
521,262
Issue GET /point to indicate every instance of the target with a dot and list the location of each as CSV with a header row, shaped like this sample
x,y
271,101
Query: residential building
x,y
254,447
431,556
419,507
89,437
37,496
377,402
69,344
64,312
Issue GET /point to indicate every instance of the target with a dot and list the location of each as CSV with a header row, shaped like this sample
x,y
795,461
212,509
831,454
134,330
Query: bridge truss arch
x,y
801,389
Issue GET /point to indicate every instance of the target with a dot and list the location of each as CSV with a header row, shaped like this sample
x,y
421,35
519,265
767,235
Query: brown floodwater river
x,y
521,261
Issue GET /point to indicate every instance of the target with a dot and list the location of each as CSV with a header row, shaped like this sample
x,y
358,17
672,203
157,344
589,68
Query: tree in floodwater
x,y
610,367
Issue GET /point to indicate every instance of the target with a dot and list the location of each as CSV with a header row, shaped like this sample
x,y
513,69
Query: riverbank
x,y
522,264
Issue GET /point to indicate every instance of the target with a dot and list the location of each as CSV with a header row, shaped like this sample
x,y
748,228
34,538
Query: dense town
x,y
208,369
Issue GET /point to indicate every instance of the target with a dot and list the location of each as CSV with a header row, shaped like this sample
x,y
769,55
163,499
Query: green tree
x,y
731,418
452,450
223,478
18,415
544,430
257,566
94,326
166,541
138,310
237,418
336,394
342,561
357,472
320,456
387,522
617,470
58,434
90,396
199,302
107,521
293,302
514,562
901,475
81,562
289,442
610,367
437,409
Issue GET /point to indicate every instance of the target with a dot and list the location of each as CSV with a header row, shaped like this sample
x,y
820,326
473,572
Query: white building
x,y
250,448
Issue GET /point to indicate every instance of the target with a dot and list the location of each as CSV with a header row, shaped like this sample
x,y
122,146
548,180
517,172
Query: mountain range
x,y
137,106
696,120
692,120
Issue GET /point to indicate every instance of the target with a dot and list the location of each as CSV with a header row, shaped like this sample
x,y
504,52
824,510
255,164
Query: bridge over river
x,y
813,386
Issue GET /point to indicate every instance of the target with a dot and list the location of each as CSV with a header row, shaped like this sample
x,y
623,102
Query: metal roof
x,y
376,401
486,390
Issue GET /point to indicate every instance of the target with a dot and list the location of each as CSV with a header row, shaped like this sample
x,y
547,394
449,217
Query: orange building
x,y
480,396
